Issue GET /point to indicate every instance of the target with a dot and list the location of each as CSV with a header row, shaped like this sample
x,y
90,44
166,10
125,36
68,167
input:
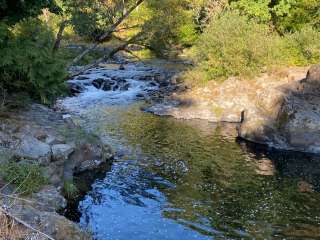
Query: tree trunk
x,y
59,36
108,33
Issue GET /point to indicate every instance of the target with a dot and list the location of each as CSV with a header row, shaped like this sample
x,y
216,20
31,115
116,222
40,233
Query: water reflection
x,y
185,180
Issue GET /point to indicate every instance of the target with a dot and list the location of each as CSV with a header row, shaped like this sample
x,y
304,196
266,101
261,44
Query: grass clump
x,y
235,45
70,190
27,178
10,229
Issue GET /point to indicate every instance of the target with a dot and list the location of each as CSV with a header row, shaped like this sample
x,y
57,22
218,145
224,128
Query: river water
x,y
188,180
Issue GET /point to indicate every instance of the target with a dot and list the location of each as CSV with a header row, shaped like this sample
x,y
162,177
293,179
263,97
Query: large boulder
x,y
33,149
312,82
281,109
56,226
293,121
89,156
313,75
49,199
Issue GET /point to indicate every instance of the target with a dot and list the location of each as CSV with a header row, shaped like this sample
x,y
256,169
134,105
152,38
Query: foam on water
x,y
94,97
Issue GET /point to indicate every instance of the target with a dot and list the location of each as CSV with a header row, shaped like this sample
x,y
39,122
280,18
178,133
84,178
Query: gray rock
x,y
54,173
61,152
49,199
33,149
76,88
89,165
97,83
56,226
290,117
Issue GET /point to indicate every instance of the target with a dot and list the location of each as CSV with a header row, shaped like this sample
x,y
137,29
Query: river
x,y
188,180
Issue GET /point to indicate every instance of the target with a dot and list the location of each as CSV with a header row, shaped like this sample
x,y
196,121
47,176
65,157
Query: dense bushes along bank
x,y
236,45
226,38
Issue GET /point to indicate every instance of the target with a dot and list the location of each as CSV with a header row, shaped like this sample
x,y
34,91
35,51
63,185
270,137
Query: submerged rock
x,y
97,83
76,88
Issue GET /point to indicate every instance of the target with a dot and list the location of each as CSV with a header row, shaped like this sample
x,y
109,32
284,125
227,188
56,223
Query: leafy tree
x,y
92,18
284,15
259,10
237,45
12,11
28,64
301,13
171,25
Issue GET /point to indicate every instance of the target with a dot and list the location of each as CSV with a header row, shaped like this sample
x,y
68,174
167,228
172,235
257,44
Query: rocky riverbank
x,y
279,109
39,136
50,139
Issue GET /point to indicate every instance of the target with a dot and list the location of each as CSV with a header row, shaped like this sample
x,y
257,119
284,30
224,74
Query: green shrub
x,y
26,177
302,47
27,62
235,45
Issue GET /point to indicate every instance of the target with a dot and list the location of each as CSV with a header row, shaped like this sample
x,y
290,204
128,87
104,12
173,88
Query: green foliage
x,y
232,45
302,13
12,11
260,10
28,178
205,10
284,15
301,47
70,190
91,18
28,64
236,45
68,54
170,28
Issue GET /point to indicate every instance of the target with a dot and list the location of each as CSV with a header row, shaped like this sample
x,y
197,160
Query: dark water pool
x,y
193,180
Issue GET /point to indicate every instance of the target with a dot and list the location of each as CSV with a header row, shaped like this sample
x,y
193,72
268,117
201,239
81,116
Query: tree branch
x,y
108,56
108,33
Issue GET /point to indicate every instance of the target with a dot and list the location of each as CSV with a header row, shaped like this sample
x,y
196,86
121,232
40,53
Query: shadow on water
x,y
291,164
193,179
83,182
